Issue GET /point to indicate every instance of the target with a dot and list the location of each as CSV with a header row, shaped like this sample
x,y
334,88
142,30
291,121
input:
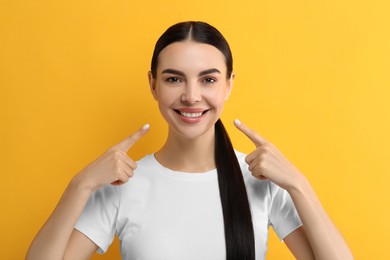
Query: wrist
x,y
80,183
300,185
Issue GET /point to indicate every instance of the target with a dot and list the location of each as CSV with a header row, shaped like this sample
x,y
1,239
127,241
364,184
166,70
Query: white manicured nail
x,y
237,122
146,126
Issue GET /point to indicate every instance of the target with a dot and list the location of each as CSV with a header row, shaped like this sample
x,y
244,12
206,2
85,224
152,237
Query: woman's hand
x,y
267,162
325,241
112,167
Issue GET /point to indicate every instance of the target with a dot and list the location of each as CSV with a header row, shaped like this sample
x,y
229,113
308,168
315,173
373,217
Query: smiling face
x,y
191,87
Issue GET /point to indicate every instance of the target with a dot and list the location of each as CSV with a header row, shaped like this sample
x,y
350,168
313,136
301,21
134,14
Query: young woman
x,y
195,198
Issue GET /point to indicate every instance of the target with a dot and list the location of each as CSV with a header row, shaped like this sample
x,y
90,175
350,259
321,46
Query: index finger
x,y
126,144
257,139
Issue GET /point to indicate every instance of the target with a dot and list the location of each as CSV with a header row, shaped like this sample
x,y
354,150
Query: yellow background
x,y
312,77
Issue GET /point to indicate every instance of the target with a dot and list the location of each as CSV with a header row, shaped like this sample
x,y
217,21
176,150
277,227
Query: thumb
x,y
252,135
126,144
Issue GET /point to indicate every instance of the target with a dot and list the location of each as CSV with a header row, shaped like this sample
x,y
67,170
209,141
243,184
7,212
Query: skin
x,y
189,76
318,238
62,241
185,86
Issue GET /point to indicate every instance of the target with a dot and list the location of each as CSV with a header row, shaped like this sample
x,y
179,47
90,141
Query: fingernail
x,y
237,122
146,126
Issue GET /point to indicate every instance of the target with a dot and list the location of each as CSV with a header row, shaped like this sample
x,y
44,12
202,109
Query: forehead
x,y
190,57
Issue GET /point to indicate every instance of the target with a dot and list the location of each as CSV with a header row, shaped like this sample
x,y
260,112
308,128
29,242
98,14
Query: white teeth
x,y
190,114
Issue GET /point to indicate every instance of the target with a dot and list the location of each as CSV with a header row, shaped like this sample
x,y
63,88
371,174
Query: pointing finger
x,y
252,135
126,144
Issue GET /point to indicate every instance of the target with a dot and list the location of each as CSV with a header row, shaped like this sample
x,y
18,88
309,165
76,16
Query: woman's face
x,y
191,87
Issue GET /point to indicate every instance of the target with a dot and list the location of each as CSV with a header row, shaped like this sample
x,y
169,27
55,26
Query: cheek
x,y
166,96
216,98
163,106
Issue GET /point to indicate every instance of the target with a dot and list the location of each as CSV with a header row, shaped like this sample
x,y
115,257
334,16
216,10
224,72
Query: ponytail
x,y
239,234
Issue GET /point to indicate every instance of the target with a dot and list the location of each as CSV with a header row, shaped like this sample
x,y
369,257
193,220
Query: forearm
x,y
325,239
51,241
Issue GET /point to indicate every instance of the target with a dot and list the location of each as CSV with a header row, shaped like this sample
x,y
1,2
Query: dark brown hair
x,y
239,235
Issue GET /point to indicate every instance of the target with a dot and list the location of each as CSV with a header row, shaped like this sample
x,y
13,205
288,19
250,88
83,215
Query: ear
x,y
152,85
230,82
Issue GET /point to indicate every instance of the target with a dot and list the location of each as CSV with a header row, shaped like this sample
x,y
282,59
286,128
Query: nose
x,y
192,94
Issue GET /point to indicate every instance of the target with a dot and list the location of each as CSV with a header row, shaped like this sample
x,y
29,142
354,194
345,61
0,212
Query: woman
x,y
195,198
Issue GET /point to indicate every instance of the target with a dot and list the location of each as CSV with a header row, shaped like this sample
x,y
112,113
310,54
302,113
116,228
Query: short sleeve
x,y
283,217
98,219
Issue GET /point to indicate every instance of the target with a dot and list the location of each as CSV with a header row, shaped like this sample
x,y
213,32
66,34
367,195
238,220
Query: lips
x,y
191,112
191,115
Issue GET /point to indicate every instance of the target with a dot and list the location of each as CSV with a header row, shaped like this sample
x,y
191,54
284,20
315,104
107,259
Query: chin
x,y
192,132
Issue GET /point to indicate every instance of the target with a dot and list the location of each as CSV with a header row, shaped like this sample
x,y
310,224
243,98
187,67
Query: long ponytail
x,y
239,235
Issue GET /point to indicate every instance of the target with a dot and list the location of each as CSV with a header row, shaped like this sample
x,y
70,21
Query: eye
x,y
209,80
173,80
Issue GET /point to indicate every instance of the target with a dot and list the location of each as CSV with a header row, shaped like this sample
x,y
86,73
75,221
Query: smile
x,y
191,115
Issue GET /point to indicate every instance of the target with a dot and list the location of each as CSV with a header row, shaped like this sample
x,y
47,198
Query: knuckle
x,y
112,152
262,157
132,138
259,151
117,154
117,167
261,166
265,155
271,146
266,147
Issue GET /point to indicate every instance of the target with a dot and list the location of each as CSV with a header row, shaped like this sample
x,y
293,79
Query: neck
x,y
188,155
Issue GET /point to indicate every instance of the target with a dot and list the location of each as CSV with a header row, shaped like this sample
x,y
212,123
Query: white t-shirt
x,y
160,214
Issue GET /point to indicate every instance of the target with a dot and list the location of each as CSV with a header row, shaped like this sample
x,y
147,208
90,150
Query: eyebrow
x,y
202,73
